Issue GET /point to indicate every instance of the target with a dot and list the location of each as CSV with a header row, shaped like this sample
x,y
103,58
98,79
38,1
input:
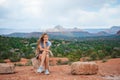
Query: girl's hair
x,y
40,40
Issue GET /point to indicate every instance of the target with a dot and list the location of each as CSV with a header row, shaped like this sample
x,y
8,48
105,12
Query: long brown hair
x,y
40,40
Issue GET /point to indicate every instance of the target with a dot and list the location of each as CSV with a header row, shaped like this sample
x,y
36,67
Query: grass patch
x,y
104,60
60,62
18,64
2,61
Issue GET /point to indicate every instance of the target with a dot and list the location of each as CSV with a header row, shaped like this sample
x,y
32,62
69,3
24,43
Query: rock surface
x,y
84,68
35,63
84,59
56,60
63,72
52,61
7,68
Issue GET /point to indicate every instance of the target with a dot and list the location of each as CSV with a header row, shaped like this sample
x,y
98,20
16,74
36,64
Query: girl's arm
x,y
44,49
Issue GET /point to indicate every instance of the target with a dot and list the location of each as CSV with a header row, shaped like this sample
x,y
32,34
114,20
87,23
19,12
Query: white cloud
x,y
2,2
33,8
106,16
47,13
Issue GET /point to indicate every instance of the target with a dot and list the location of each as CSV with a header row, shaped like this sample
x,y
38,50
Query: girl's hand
x,y
47,50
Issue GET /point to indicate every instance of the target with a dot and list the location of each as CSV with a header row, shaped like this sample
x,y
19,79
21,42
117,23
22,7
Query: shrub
x,y
4,55
18,64
29,63
2,61
101,55
29,56
115,54
94,56
73,57
15,59
59,62
104,60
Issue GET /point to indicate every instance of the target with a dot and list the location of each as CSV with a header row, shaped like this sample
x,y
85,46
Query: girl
x,y
43,47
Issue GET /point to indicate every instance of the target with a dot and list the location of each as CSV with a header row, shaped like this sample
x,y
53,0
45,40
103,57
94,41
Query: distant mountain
x,y
118,33
4,31
58,35
62,33
94,30
102,33
60,28
18,35
112,30
25,35
56,32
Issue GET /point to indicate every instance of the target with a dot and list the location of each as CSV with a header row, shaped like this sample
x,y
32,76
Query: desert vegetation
x,y
94,48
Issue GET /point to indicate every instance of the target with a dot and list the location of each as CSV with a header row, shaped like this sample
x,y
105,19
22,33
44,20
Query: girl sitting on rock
x,y
43,46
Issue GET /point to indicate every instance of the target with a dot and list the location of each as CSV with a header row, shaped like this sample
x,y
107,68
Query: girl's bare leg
x,y
42,58
47,65
39,57
47,62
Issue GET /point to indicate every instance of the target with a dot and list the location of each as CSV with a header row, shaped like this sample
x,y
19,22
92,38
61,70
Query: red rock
x,y
7,60
6,68
35,63
63,72
84,68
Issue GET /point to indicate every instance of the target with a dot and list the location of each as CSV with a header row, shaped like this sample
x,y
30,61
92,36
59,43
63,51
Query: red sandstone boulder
x,y
84,68
35,63
7,68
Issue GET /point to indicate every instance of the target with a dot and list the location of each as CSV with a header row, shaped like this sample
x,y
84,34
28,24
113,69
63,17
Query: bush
x,y
101,55
18,64
29,63
2,61
59,62
94,56
15,59
115,54
29,56
4,55
73,57
104,60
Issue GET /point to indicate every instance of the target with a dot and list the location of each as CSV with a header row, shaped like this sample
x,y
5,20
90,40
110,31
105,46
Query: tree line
x,y
94,48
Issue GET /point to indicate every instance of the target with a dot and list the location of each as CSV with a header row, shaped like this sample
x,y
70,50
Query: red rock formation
x,y
6,68
84,68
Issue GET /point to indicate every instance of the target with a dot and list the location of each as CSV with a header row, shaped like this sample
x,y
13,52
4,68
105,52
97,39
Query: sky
x,y
44,14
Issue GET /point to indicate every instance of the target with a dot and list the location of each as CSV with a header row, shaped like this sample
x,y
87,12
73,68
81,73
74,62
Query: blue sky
x,y
43,14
